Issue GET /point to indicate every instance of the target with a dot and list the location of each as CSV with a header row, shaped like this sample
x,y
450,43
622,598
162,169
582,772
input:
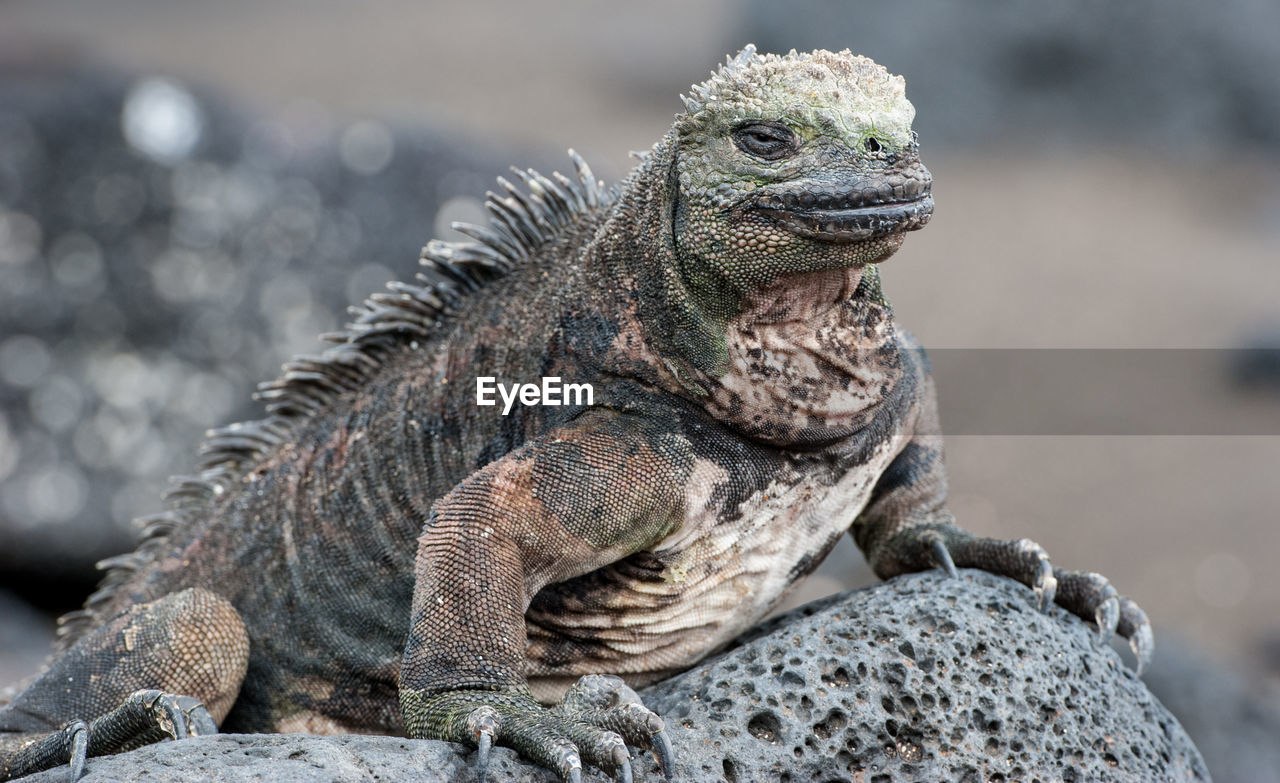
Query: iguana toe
x,y
1107,617
606,701
484,743
520,723
167,712
948,547
482,724
1092,597
563,755
149,710
68,745
1135,627
666,755
199,722
1024,560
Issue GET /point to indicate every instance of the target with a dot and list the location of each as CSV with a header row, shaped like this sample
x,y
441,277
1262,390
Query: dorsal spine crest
x,y
521,222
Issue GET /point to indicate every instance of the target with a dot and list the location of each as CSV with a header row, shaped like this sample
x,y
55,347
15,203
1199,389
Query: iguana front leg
x,y
906,527
581,497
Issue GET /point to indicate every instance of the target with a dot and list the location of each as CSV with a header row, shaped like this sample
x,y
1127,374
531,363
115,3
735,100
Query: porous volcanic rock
x,y
922,678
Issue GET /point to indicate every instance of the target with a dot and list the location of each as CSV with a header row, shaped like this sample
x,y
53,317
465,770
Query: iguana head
x,y
794,163
765,203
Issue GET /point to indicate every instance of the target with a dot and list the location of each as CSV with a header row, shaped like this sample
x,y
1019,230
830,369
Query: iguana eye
x,y
767,140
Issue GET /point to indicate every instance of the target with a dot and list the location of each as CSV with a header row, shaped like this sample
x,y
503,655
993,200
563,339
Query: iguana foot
x,y
1087,595
144,717
592,725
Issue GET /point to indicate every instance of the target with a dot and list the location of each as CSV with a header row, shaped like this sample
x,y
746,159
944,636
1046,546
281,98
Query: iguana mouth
x,y
848,215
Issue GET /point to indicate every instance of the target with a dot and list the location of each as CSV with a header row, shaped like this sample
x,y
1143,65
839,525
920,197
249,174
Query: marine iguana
x,y
382,554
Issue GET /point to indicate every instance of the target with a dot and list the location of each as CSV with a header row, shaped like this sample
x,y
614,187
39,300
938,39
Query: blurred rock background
x,y
163,252
190,192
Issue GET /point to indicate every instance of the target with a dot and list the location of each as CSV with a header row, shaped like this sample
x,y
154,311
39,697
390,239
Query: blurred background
x,y
191,192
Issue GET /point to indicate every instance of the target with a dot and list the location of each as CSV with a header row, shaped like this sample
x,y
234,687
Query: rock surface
x,y
926,678
917,679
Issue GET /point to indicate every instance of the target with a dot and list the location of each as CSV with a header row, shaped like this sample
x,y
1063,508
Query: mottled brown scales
x,y
382,554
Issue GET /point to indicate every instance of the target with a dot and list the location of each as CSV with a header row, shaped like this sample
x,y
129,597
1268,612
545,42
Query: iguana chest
x,y
751,531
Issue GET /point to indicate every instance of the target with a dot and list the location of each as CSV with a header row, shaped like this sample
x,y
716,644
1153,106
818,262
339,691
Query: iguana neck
x,y
682,308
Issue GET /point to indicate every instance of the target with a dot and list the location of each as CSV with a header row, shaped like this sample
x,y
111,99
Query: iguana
x,y
383,554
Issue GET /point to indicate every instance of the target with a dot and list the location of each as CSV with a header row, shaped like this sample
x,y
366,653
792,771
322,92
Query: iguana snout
x,y
855,210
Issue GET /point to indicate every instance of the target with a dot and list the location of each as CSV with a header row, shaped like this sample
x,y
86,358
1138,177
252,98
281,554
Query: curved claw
x,y
569,763
1107,616
1045,585
663,753
484,743
1143,644
79,748
1135,627
482,724
624,772
942,558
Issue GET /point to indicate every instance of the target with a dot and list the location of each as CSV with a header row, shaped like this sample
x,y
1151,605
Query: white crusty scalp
x,y
810,89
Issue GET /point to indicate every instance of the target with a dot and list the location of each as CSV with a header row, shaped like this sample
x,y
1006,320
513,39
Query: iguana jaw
x,y
847,215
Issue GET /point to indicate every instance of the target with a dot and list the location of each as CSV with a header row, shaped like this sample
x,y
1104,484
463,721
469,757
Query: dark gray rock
x,y
926,678
294,758
919,679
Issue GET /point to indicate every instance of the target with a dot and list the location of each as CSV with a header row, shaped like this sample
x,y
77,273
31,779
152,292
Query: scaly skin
x,y
427,566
